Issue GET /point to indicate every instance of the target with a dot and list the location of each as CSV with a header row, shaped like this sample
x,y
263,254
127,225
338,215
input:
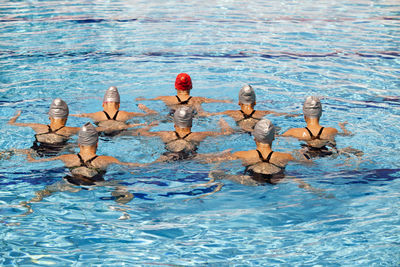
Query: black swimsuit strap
x,y
267,159
319,133
317,136
113,118
85,163
177,135
183,102
51,131
247,116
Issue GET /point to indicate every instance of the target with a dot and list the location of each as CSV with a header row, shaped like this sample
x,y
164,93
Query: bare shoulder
x,y
169,100
330,130
295,132
245,154
282,156
261,113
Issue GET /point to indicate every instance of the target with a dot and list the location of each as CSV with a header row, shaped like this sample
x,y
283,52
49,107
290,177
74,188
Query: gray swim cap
x,y
58,109
247,95
111,95
264,131
312,107
183,117
88,135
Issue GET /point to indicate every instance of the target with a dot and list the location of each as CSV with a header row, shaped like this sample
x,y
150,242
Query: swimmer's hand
x,y
225,128
214,157
292,115
140,98
345,131
146,109
15,117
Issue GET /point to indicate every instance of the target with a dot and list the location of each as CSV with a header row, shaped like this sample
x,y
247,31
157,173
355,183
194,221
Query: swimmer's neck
x,y
247,109
57,123
264,148
183,131
87,152
312,122
183,95
110,107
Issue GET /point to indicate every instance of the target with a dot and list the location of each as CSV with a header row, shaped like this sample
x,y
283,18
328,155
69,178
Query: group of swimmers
x,y
262,165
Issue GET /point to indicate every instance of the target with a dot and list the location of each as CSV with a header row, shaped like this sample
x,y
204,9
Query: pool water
x,y
346,52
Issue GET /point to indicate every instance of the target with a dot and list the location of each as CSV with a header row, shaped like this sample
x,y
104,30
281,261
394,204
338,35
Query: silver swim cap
x,y
247,95
111,95
183,117
58,109
312,107
88,135
264,131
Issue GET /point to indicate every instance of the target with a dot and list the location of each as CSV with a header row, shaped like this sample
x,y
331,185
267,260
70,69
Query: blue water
x,y
347,52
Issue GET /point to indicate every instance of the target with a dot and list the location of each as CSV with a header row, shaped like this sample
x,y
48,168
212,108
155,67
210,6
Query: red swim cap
x,y
183,82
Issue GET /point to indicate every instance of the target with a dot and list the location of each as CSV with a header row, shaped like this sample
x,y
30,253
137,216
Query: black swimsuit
x,y
114,118
265,178
185,154
313,152
78,179
49,149
183,102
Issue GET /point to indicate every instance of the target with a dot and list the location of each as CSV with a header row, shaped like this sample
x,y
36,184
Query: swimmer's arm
x,y
211,100
225,129
31,159
203,113
138,114
156,98
225,155
290,133
35,126
266,112
112,160
145,131
345,131
94,116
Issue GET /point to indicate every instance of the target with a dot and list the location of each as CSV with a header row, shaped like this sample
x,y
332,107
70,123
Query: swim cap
x,y
88,135
312,107
111,95
183,117
58,109
264,131
247,95
183,82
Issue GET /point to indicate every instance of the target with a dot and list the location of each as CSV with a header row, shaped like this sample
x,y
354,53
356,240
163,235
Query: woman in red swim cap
x,y
183,85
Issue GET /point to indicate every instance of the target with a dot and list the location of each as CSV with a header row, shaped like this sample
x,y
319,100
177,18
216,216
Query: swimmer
x,y
182,143
317,138
111,119
263,165
183,85
246,117
86,168
52,138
